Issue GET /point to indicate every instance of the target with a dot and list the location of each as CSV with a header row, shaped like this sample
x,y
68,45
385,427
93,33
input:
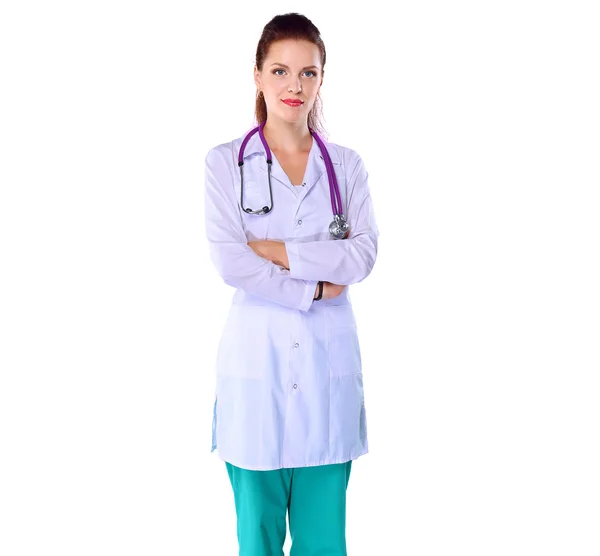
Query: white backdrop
x,y
478,123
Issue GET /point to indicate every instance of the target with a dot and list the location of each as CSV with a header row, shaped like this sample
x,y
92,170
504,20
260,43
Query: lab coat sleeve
x,y
234,259
342,261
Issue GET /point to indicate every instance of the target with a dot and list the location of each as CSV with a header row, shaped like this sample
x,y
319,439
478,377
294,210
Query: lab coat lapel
x,y
315,167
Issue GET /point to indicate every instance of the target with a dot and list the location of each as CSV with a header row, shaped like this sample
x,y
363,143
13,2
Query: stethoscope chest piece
x,y
339,228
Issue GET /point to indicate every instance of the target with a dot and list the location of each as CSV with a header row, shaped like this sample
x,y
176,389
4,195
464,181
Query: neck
x,y
289,137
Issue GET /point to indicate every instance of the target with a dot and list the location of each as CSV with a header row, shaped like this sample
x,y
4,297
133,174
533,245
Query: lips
x,y
293,102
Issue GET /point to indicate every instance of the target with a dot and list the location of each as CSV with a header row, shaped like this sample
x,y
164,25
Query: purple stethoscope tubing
x,y
339,226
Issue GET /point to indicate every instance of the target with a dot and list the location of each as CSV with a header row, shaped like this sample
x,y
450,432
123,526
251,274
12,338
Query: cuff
x,y
293,259
309,295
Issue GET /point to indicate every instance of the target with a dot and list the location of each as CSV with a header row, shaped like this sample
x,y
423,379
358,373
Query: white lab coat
x,y
289,375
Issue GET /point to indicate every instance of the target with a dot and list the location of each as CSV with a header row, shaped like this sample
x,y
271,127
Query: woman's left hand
x,y
273,251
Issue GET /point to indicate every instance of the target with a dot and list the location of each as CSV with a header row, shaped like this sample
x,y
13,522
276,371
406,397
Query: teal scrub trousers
x,y
315,498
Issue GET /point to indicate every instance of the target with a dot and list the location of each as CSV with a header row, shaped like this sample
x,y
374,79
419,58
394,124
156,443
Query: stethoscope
x,y
338,228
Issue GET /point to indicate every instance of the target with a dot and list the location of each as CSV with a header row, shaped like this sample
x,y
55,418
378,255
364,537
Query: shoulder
x,y
349,158
222,152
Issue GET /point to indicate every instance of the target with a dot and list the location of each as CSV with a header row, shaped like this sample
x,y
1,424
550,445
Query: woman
x,y
289,412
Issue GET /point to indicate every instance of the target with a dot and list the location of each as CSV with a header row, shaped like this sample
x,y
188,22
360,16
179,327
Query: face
x,y
292,70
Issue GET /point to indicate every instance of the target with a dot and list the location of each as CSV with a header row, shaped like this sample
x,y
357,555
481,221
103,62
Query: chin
x,y
288,118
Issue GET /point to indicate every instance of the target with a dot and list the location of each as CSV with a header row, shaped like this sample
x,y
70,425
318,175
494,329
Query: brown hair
x,y
293,26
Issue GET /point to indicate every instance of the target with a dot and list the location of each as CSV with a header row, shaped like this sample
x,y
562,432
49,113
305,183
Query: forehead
x,y
294,53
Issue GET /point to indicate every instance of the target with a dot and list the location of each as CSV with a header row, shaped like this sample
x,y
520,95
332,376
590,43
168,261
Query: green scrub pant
x,y
315,498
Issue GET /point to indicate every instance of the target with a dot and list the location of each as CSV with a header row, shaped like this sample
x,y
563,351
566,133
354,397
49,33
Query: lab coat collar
x,y
315,167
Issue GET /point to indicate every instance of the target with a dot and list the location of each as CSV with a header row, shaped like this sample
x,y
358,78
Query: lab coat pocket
x,y
245,350
256,196
342,341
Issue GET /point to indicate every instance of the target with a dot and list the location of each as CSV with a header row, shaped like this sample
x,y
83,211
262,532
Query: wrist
x,y
319,291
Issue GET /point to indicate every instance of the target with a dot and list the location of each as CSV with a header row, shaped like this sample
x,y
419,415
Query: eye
x,y
280,69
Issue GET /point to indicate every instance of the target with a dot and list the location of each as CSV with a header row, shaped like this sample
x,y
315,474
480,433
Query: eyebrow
x,y
286,67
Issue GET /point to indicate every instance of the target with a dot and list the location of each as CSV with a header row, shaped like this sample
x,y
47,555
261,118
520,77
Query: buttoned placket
x,y
296,355
300,191
293,385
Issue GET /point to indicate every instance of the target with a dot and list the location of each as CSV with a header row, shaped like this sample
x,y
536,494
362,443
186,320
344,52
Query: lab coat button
x,y
295,386
296,344
299,222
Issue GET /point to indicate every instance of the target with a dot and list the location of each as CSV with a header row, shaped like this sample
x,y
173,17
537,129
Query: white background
x,y
480,324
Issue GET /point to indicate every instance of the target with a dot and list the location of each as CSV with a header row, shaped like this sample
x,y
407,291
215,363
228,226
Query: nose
x,y
295,86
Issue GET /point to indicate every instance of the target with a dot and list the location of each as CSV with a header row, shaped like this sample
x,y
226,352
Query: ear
x,y
257,78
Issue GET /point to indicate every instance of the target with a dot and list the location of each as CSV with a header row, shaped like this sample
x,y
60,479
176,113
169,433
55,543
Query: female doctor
x,y
290,224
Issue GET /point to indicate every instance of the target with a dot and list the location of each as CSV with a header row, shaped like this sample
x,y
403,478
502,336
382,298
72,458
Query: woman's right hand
x,y
330,290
